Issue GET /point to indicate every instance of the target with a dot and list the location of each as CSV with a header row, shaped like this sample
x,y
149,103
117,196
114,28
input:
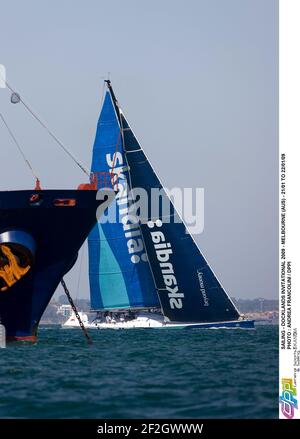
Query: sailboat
x,y
147,272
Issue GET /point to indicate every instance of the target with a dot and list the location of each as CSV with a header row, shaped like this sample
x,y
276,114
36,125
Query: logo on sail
x,y
10,269
129,221
163,251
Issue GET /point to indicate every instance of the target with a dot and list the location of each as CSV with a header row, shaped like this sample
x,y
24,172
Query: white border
x,y
289,144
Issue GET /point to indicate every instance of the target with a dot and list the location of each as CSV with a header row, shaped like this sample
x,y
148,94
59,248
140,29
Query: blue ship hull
x,y
57,222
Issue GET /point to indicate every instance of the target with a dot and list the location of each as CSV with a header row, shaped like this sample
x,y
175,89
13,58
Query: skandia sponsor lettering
x,y
288,399
129,221
163,251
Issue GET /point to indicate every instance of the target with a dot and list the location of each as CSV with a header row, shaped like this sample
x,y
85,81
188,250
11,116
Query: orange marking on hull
x,y
11,272
30,338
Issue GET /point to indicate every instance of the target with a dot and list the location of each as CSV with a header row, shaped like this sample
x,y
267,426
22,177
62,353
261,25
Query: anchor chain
x,y
89,340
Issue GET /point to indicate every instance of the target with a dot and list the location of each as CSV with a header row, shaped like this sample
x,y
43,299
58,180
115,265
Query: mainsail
x,y
175,270
119,273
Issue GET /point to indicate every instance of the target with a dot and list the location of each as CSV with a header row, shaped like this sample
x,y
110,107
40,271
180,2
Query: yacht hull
x,y
157,322
244,324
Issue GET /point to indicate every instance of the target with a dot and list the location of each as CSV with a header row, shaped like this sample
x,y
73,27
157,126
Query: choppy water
x,y
142,374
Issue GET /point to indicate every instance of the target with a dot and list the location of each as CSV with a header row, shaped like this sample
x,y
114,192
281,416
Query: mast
x,y
115,102
118,113
117,257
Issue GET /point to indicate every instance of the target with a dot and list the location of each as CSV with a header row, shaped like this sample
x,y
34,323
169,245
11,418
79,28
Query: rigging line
x,y
19,147
115,153
120,132
118,112
51,134
102,93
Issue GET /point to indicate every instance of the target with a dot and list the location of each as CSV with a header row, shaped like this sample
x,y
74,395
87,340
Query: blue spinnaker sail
x,y
119,272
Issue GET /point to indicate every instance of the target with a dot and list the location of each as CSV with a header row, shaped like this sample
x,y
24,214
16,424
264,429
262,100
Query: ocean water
x,y
142,374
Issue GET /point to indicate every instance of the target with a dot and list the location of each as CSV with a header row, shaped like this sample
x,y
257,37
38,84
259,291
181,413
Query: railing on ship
x,y
105,180
101,180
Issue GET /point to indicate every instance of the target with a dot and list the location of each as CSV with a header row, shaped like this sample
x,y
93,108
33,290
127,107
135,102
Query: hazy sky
x,y
197,80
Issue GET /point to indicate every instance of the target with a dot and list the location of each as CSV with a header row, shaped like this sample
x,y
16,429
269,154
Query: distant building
x,y
64,310
256,305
